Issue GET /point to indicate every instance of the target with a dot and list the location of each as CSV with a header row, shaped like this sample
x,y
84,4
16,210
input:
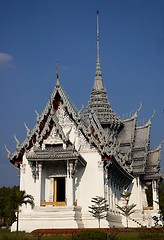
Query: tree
x,y
10,201
126,210
20,198
7,211
99,208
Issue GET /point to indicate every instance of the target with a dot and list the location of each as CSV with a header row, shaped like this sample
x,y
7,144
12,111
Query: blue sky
x,y
35,34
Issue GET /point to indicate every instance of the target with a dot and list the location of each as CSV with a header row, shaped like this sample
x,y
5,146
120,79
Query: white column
x,y
106,187
110,194
114,188
51,193
138,193
117,192
38,184
155,195
118,195
70,180
113,207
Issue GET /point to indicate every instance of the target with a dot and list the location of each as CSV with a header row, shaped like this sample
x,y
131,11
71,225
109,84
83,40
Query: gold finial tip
x,y
57,75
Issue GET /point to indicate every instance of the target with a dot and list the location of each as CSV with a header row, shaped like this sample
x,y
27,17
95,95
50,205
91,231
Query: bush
x,y
93,235
150,235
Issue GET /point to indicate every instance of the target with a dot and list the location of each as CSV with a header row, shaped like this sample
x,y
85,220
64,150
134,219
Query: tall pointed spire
x,y
98,102
98,84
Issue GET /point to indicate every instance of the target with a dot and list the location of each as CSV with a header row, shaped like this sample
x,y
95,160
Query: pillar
x,y
106,185
38,183
155,195
51,193
110,194
70,183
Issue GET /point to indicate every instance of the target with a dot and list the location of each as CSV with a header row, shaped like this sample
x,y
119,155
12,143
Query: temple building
x,y
71,156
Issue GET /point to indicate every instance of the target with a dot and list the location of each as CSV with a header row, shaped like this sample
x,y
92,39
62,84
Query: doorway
x,y
59,191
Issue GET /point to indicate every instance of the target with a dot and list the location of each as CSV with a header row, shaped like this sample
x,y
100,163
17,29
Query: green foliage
x,y
20,198
99,208
126,210
150,235
93,235
7,235
128,236
7,205
10,200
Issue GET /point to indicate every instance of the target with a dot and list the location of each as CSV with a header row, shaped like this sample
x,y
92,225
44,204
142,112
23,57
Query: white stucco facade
x,y
81,180
72,156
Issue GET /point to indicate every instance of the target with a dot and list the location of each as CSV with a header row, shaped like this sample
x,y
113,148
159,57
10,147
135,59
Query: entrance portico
x,y
56,174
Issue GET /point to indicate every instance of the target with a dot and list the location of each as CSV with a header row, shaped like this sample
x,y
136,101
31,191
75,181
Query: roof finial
x,y
97,38
57,75
98,76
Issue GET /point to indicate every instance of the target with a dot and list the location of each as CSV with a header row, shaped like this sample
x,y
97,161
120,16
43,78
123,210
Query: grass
x,y
128,236
140,236
5,234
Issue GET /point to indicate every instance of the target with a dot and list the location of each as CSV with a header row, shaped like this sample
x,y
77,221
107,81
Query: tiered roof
x,y
98,99
122,142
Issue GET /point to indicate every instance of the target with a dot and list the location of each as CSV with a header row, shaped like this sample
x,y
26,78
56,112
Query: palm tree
x,y
20,198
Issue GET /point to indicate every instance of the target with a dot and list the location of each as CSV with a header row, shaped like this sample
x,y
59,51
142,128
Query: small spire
x,y
57,75
98,84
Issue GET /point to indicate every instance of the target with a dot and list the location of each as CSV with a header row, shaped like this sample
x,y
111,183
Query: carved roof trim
x,y
154,157
121,169
69,153
134,116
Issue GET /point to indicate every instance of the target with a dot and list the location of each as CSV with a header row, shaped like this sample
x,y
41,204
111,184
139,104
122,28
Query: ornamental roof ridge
x,y
122,168
99,137
148,123
36,129
158,148
154,158
135,114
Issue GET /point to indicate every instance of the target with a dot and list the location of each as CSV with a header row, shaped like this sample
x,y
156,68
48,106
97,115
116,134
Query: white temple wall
x,y
136,194
155,195
46,182
92,180
27,182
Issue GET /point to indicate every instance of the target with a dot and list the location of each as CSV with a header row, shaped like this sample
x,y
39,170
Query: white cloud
x,y
6,60
4,57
